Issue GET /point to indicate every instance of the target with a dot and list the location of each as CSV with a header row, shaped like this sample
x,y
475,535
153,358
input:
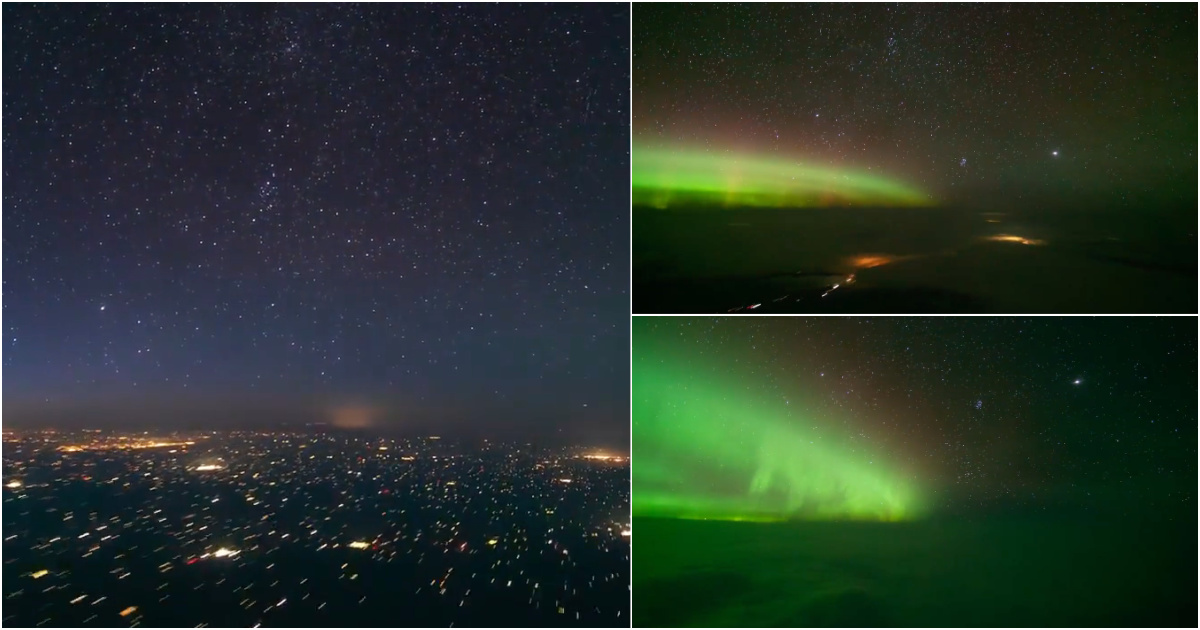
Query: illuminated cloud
x,y
665,178
353,416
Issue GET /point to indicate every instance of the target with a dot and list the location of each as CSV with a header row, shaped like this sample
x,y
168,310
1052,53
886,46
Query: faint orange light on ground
x,y
1012,238
866,261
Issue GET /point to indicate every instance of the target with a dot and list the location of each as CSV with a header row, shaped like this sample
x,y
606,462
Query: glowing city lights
x,y
223,552
306,492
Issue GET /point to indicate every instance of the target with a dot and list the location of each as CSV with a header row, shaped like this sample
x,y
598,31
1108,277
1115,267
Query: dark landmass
x,y
1017,572
914,260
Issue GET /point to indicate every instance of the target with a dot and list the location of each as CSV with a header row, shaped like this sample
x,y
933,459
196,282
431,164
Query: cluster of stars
x,y
299,199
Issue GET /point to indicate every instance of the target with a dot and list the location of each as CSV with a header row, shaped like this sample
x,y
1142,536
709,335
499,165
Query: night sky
x,y
990,105
414,215
893,419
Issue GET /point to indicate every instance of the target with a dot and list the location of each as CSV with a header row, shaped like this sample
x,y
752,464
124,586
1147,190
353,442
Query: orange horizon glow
x,y
1012,238
867,261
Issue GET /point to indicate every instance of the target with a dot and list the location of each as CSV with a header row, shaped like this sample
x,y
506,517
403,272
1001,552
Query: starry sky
x,y
993,105
276,212
901,418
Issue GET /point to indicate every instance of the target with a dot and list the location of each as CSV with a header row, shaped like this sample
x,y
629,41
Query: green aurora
x,y
713,448
663,178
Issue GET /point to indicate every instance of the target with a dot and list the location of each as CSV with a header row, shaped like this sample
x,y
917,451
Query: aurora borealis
x,y
983,104
664,176
773,141
914,471
895,419
767,465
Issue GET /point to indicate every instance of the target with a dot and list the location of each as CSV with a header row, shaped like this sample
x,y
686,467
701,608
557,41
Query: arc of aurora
x,y
712,449
664,178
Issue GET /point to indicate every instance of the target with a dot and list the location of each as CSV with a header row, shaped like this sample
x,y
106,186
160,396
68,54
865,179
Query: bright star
x,y
1078,381
1054,153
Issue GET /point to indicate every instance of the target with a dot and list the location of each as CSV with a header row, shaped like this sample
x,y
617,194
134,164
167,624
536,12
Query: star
x,y
285,197
1077,381
1054,153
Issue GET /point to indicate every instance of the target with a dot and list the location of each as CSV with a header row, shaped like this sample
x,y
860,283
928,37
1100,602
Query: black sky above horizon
x,y
1081,104
421,209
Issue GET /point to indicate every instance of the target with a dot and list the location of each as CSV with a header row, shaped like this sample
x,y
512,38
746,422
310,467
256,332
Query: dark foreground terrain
x,y
915,260
1030,572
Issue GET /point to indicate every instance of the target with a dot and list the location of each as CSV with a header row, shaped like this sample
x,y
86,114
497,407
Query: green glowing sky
x,y
664,178
713,446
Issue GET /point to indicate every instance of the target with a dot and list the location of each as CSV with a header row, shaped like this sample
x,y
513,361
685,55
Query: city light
x,y
223,552
604,457
103,443
296,497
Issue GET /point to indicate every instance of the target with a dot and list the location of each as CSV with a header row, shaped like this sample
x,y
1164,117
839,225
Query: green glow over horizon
x,y
663,178
709,448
